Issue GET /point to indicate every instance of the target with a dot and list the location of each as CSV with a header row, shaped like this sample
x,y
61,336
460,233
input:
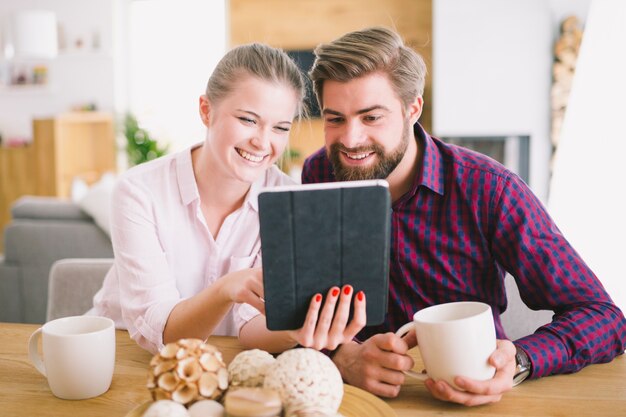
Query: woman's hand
x,y
330,328
245,286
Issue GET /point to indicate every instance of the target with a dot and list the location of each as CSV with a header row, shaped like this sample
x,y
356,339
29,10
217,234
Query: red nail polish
x,y
335,292
359,295
318,298
347,289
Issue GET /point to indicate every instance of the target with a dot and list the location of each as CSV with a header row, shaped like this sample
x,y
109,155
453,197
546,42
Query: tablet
x,y
316,236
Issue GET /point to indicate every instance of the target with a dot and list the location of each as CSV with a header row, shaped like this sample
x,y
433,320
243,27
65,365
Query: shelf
x,y
86,54
26,89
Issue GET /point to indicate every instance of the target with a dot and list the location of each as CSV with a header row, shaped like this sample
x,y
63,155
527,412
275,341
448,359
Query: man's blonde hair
x,y
261,61
366,51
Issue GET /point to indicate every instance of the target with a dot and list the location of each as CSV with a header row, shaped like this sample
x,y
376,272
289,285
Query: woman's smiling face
x,y
248,129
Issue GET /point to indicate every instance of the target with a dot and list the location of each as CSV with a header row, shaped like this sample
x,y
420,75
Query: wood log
x,y
566,50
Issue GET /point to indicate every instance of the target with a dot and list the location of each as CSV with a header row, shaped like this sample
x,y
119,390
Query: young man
x,y
460,221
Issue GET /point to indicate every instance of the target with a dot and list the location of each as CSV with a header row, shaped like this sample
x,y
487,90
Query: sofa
x,y
42,231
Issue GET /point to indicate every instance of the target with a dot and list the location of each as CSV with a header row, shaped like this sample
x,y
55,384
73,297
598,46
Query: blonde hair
x,y
362,52
261,61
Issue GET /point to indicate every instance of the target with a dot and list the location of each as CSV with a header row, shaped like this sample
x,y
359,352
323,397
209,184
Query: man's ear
x,y
414,110
205,110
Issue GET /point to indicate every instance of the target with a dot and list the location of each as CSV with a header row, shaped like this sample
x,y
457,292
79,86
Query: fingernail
x,y
318,298
347,289
359,295
335,292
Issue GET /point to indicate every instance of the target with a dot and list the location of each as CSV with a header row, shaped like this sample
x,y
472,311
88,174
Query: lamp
x,y
35,34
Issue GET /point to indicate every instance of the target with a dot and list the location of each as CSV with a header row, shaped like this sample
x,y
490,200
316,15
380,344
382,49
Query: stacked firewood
x,y
565,56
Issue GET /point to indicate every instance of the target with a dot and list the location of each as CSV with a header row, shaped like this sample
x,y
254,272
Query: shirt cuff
x,y
546,351
243,313
149,331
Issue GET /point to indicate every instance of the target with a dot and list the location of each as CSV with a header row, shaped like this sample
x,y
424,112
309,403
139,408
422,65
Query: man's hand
x,y
376,365
480,392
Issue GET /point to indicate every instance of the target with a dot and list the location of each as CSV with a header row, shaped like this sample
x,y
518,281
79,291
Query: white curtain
x,y
588,188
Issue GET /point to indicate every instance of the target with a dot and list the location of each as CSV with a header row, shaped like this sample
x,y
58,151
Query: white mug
x,y
79,355
454,339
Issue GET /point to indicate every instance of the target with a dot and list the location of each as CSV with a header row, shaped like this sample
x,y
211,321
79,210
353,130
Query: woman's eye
x,y
247,120
282,129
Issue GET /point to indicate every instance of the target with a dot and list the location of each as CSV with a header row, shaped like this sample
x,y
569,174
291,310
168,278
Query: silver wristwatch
x,y
522,368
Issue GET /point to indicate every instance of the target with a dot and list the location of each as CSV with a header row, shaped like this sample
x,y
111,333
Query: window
x,y
173,47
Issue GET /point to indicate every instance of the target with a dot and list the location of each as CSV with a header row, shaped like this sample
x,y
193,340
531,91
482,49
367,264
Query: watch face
x,y
522,370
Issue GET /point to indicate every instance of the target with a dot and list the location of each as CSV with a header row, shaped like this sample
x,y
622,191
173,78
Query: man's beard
x,y
385,165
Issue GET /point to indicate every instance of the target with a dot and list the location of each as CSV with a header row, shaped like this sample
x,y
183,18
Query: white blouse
x,y
164,252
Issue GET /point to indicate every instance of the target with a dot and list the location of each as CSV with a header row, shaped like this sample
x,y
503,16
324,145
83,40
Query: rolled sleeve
x,y
148,333
243,313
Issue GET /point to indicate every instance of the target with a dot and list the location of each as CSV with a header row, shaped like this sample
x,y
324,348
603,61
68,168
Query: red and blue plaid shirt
x,y
464,223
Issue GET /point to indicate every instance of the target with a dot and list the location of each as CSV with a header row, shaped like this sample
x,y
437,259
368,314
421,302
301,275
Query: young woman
x,y
185,227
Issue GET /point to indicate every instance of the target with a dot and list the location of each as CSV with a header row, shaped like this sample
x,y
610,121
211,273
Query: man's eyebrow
x,y
331,111
362,111
375,107
259,117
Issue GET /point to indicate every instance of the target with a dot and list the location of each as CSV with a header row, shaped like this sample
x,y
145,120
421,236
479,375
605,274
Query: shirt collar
x,y
189,188
252,199
431,173
185,176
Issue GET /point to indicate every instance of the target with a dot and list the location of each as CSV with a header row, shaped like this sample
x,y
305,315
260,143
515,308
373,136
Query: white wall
x,y
492,71
588,197
77,76
565,8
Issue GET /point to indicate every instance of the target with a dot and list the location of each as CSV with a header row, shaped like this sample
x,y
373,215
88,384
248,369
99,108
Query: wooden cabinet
x,y
79,144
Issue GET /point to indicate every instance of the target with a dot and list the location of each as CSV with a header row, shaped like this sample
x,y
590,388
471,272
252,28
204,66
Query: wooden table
x,y
598,390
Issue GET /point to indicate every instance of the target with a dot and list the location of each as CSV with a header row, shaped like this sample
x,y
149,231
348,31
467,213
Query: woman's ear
x,y
205,110
414,110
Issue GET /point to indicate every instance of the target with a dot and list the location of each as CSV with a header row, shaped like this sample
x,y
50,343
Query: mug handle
x,y
401,332
33,352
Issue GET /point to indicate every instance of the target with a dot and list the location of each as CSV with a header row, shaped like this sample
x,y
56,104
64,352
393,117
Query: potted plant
x,y
140,146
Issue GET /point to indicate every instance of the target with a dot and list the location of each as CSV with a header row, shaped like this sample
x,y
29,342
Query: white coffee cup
x,y
79,355
454,339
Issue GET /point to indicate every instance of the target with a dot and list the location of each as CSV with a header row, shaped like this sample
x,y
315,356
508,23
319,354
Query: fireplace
x,y
511,151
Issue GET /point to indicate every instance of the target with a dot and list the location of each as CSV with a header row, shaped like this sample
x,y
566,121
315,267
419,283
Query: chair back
x,y
72,285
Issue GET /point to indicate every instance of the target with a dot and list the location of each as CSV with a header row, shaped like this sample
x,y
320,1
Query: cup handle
x,y
401,332
33,352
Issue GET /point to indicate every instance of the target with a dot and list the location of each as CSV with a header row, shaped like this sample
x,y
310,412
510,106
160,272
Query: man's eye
x,y
334,120
247,120
282,129
372,118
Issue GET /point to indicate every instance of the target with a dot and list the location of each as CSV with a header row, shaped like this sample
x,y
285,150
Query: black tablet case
x,y
313,239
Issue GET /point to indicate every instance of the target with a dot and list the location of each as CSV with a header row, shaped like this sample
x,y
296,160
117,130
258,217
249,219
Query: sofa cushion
x,y
96,202
47,208
32,242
